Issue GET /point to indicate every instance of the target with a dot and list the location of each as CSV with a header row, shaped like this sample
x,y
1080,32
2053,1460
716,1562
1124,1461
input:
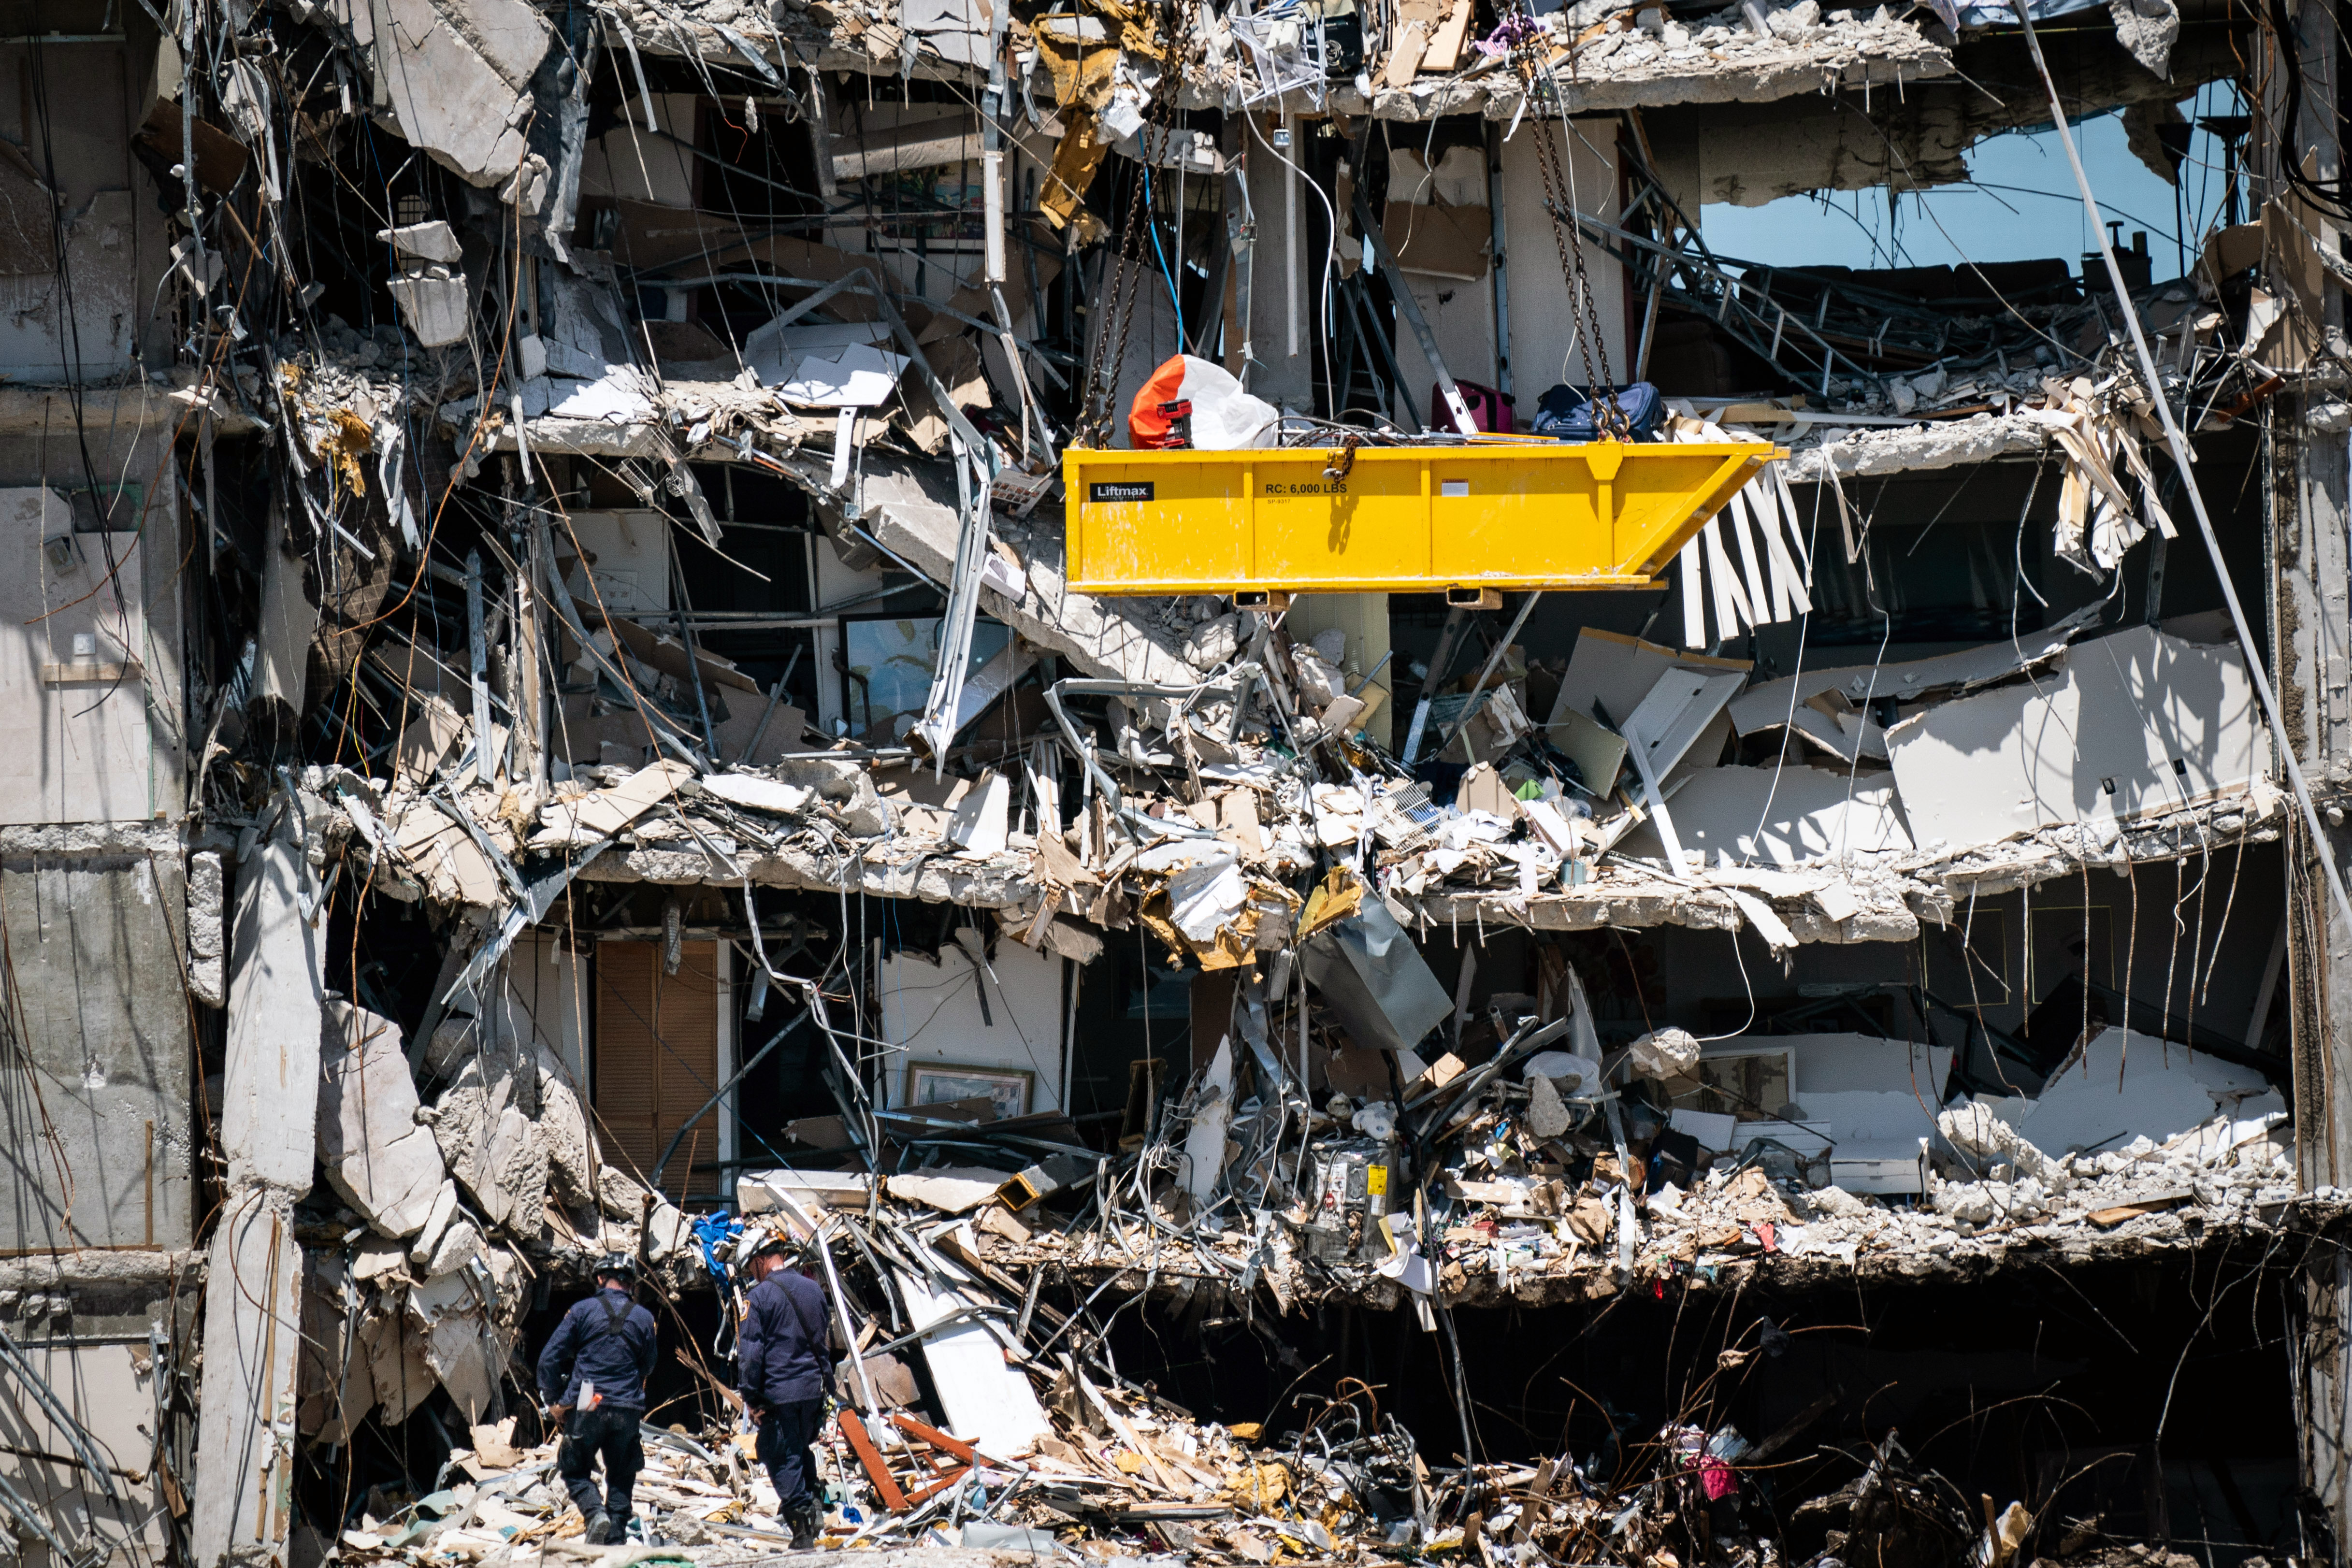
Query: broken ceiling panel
x,y
2135,722
1791,816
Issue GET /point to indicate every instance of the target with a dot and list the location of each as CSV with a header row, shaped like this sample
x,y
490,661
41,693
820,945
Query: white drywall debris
x,y
1712,1129
760,794
1791,816
1667,722
1618,671
1769,925
952,1189
1877,1097
2139,721
1204,1140
989,1405
2125,1086
1205,898
982,819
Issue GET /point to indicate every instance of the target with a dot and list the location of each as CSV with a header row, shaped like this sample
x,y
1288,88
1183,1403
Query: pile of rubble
x,y
1549,1175
1021,1436
1658,786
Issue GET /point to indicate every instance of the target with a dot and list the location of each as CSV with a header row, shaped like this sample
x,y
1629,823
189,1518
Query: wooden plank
x,y
2108,1218
1537,1489
1445,44
74,674
886,1485
1404,60
937,1487
934,1437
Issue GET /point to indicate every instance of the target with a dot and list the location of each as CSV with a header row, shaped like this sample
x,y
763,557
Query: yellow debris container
x,y
1500,512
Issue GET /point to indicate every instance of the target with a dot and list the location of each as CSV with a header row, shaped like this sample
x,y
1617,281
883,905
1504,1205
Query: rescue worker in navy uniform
x,y
605,1342
783,1365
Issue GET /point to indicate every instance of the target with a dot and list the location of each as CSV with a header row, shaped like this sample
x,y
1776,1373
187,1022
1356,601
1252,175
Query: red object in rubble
x,y
1160,418
1490,410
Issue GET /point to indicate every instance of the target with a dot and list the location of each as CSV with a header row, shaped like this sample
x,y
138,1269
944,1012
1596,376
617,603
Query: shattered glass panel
x,y
890,660
1170,996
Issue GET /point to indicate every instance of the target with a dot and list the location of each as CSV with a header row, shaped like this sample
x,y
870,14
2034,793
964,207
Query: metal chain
x,y
1102,378
1102,384
1529,39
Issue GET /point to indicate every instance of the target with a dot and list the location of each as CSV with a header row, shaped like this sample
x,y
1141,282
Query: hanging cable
x,y
2182,460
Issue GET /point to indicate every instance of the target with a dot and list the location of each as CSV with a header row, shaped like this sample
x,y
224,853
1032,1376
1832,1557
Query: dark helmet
x,y
619,1263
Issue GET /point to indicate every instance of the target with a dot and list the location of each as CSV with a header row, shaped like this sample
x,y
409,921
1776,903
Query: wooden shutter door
x,y
658,1061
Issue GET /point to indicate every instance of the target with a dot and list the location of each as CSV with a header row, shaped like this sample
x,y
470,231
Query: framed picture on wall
x,y
943,1082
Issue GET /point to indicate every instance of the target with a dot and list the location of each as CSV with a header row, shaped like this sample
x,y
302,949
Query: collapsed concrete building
x,y
560,716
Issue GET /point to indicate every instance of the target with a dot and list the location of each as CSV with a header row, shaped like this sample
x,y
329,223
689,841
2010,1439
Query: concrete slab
x,y
376,1155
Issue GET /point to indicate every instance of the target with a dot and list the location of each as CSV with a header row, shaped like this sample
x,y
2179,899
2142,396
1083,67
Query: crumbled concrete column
x,y
486,1132
377,1155
208,928
245,1437
288,620
253,1292
277,1009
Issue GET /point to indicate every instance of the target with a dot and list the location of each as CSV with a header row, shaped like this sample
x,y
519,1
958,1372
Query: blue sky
x,y
2022,205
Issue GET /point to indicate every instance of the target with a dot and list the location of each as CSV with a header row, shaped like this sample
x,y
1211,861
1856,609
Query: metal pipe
x,y
1241,674
1493,660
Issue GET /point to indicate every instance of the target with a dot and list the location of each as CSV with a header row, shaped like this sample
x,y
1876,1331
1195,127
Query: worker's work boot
x,y
805,1520
600,1529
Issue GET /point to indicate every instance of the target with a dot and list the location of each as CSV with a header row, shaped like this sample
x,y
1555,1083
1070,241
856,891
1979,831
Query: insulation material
x,y
2140,721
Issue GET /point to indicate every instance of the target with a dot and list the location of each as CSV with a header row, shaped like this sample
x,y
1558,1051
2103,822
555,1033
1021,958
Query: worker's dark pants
x,y
785,1436
610,1430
